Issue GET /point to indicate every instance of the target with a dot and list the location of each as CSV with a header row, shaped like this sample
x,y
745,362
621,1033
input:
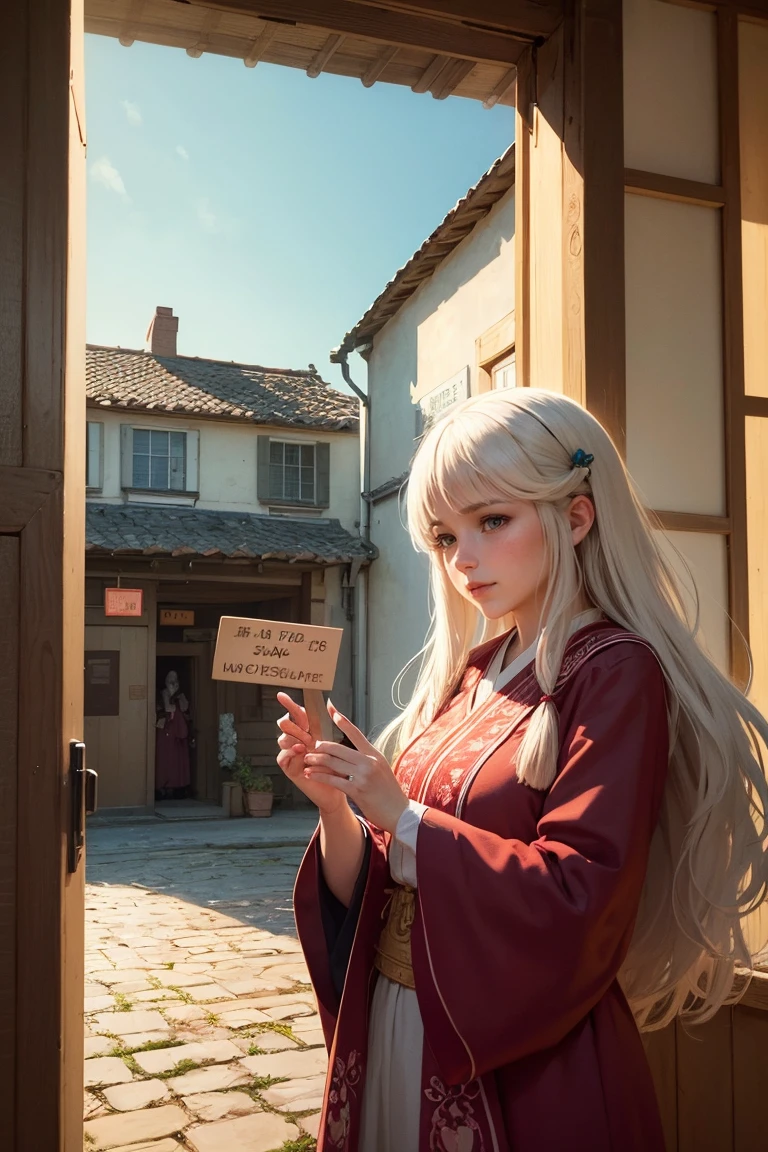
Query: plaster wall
x,y
429,340
227,462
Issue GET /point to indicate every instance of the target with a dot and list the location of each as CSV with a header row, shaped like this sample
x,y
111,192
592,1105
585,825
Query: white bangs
x,y
446,464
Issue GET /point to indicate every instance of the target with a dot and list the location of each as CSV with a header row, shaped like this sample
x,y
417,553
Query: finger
x,y
285,724
339,782
289,744
297,712
330,764
351,731
289,763
340,751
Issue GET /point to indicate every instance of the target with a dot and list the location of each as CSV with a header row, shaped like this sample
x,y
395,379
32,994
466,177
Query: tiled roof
x,y
123,378
159,530
454,228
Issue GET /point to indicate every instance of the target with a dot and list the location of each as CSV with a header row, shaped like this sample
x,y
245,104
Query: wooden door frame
x,y
42,558
202,654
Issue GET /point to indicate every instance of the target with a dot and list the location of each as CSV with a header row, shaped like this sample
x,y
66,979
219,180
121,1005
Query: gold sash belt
x,y
393,951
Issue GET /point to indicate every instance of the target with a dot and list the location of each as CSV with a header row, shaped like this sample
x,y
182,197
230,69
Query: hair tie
x,y
581,459
546,699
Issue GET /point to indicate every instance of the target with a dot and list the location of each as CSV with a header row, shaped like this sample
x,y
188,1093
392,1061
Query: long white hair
x,y
707,868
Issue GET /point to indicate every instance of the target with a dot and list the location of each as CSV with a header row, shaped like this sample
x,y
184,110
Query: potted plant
x,y
256,786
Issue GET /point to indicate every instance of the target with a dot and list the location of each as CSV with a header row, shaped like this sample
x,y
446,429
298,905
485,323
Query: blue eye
x,y
445,541
492,523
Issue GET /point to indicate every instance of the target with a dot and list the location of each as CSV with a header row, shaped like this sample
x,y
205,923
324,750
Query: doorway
x,y
175,754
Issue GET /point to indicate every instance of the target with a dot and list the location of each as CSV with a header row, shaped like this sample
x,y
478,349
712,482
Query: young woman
x,y
570,834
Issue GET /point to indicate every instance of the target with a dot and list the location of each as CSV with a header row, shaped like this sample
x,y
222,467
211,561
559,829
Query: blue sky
x,y
266,208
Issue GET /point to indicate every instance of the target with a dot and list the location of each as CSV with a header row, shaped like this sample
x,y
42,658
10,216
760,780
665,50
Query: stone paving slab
x,y
129,1127
213,1106
164,1059
201,945
106,1070
262,1132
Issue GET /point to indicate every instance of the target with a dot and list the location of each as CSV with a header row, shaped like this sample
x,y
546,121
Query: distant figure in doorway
x,y
172,745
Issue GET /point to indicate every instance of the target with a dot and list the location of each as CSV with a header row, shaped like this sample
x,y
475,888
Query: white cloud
x,y
207,216
132,112
104,172
181,150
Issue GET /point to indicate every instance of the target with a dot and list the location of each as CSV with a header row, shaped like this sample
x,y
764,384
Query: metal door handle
x,y
82,787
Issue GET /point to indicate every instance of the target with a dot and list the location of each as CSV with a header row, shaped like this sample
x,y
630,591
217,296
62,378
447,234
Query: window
x,y
291,473
504,374
94,457
496,356
160,461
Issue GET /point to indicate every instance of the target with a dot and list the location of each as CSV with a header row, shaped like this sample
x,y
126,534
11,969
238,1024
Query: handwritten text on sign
x,y
274,652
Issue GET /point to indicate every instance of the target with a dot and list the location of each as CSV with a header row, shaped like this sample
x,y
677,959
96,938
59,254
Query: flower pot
x,y
259,803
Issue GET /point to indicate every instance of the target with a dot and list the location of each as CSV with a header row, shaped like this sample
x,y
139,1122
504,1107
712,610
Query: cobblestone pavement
x,y
201,1027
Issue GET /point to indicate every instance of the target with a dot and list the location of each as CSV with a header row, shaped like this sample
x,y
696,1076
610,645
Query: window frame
x,y
301,445
94,456
190,490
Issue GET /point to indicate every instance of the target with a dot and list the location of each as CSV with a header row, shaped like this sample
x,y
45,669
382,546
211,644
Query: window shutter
x,y
262,469
323,475
193,461
126,455
94,458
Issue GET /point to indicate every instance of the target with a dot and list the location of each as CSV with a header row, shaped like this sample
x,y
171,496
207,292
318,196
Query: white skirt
x,y
392,1094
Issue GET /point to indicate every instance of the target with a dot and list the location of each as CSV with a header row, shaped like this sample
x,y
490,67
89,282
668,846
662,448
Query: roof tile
x,y
123,378
160,530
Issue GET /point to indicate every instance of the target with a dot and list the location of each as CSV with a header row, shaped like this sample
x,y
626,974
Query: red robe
x,y
526,902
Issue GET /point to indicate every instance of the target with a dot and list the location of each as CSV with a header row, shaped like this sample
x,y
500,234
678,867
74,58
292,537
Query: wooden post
x,y
570,213
42,551
319,720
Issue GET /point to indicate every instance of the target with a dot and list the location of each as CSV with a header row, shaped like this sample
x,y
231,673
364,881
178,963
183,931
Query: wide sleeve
x,y
515,943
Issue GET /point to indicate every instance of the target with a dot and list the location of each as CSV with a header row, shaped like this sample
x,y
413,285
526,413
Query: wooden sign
x,y
274,652
180,617
123,601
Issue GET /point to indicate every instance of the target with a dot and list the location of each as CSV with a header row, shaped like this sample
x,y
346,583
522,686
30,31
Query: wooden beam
x,y
593,210
449,80
208,25
260,45
504,86
531,18
380,64
332,44
693,522
430,74
673,188
385,27
756,406
23,491
733,343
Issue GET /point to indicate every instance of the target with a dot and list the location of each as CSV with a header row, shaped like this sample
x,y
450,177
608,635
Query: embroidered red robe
x,y
526,902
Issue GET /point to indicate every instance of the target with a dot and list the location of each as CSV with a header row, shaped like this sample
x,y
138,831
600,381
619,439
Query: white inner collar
x,y
496,677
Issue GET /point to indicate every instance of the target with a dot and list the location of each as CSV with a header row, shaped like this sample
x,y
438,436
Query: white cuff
x,y
402,848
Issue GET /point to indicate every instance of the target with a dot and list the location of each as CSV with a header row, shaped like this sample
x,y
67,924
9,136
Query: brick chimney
x,y
161,335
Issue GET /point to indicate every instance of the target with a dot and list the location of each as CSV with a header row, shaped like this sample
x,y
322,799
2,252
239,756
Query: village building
x,y
640,290
443,329
215,489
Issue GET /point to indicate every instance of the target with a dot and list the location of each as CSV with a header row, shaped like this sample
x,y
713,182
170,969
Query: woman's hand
x,y
361,773
295,741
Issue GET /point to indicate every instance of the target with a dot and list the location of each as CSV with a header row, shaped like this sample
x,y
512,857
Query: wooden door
x,y
42,463
116,738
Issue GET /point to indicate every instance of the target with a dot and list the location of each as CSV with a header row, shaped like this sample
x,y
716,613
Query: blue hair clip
x,y
581,459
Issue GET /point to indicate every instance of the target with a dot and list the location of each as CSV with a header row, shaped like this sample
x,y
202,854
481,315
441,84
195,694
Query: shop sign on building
x,y
123,601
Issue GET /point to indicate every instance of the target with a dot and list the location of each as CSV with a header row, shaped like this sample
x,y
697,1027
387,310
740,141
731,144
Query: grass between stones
x,y
122,1003
182,1067
303,1144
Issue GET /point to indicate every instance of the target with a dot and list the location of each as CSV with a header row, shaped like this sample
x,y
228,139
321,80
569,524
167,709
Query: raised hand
x,y
361,773
295,741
